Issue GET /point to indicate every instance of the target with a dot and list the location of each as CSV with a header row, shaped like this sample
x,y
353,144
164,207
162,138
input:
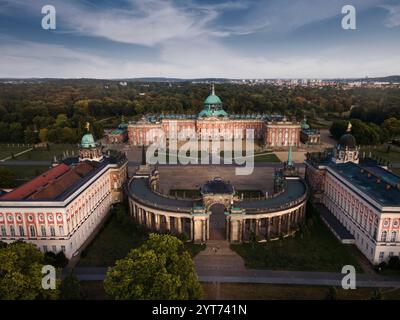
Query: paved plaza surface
x,y
193,177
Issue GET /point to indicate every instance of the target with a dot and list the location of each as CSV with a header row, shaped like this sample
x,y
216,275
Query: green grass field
x,y
382,152
6,150
269,157
43,153
27,172
115,240
94,290
314,250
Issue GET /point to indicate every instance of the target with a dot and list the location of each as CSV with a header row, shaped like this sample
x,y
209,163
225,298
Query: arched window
x,y
52,231
12,231
43,230
21,231
383,236
32,230
3,230
393,236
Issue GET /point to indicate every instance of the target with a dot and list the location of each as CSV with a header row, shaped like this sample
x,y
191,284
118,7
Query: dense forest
x,y
57,110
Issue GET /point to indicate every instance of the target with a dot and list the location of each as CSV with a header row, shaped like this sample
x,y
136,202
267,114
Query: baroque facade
x,y
213,122
60,209
358,199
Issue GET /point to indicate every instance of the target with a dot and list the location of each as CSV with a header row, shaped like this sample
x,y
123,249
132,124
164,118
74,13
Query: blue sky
x,y
194,39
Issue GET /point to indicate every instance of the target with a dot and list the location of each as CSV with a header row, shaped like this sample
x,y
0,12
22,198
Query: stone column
x,y
268,228
279,225
257,231
179,224
168,222
149,222
288,217
228,228
203,230
140,218
157,221
235,231
197,230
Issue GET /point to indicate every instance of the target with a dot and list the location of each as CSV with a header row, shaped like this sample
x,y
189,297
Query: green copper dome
x,y
213,99
304,124
213,106
88,141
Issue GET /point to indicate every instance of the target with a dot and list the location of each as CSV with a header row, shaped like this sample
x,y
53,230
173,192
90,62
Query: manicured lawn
x,y
382,152
6,150
254,291
266,157
313,250
44,153
27,172
115,240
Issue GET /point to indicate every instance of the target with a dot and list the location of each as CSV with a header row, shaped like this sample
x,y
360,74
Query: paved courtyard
x,y
192,177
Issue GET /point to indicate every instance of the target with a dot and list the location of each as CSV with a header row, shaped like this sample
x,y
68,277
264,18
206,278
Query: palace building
x,y
267,218
213,122
309,135
358,199
60,209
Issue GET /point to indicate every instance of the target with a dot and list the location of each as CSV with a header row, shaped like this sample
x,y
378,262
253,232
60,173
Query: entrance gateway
x,y
218,197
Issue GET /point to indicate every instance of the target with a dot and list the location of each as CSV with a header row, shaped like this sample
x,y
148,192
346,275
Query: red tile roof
x,y
32,186
51,183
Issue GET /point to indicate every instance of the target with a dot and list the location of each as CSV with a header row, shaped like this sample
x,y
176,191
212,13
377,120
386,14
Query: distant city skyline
x,y
266,39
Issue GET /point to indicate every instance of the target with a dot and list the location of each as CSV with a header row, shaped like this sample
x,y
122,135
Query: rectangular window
x,y
63,248
12,231
21,231
381,256
45,249
43,230
52,231
3,231
54,249
32,230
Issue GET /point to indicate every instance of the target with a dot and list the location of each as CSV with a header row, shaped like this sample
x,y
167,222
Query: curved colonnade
x,y
267,219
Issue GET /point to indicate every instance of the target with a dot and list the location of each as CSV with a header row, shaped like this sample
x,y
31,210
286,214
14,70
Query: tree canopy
x,y
21,273
160,269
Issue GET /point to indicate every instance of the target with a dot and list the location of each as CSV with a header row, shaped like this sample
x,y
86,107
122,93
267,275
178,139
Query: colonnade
x,y
265,226
239,227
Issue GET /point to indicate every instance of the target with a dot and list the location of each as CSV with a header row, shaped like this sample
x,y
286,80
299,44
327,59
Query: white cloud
x,y
393,20
28,59
188,45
